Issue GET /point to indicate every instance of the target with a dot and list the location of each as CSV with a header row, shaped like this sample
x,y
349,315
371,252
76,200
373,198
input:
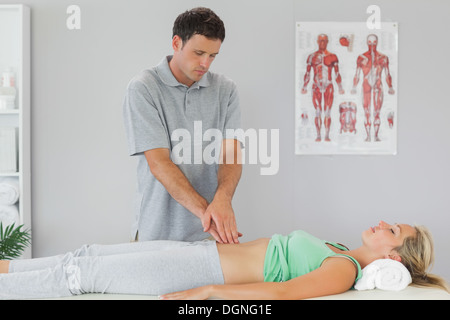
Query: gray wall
x,y
83,181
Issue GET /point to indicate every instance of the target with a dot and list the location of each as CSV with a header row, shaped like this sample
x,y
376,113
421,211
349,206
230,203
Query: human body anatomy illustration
x,y
372,64
347,117
322,62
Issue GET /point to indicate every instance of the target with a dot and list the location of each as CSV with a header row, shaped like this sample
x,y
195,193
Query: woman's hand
x,y
200,293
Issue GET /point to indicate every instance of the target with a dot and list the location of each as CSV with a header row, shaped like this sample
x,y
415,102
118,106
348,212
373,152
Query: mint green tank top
x,y
299,253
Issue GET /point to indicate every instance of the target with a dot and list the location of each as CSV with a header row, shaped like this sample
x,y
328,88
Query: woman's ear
x,y
394,256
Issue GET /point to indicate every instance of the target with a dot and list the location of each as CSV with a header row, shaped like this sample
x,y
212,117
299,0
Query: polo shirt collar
x,y
168,78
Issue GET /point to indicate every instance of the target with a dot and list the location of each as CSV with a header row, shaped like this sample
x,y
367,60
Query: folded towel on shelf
x,y
9,215
9,191
384,274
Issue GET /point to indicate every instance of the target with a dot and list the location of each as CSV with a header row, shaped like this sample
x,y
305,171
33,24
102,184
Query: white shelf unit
x,y
15,42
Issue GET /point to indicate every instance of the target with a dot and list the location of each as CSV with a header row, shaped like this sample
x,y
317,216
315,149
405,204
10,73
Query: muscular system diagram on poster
x,y
359,117
322,63
372,64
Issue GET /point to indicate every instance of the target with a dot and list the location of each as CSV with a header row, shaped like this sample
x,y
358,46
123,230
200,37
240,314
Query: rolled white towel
x,y
384,274
9,215
9,192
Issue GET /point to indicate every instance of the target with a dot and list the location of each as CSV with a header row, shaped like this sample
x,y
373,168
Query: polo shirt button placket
x,y
186,100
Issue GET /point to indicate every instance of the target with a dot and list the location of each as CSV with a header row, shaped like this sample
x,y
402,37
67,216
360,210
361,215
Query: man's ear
x,y
177,43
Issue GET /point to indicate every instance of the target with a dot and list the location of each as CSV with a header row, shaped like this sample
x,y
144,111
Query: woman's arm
x,y
336,275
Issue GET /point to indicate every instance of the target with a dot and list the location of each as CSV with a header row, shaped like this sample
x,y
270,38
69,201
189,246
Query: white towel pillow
x,y
384,274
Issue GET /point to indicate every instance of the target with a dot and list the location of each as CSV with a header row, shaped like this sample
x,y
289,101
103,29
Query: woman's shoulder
x,y
346,265
342,265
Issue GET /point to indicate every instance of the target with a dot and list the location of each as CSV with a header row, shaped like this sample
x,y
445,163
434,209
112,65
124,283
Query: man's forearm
x,y
228,177
179,187
230,169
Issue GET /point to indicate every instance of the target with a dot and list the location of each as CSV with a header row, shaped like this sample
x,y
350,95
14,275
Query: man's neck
x,y
178,74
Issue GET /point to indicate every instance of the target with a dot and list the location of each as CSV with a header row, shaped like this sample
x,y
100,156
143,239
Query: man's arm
x,y
220,210
175,182
179,187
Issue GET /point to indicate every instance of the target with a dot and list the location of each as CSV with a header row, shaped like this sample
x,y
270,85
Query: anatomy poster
x,y
346,88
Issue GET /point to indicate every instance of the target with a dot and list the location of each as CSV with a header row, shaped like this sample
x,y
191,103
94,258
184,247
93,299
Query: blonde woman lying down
x,y
296,266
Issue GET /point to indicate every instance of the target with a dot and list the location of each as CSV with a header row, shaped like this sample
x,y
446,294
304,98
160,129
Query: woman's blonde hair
x,y
417,253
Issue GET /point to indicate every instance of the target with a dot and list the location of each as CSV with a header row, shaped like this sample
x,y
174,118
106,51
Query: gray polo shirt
x,y
155,106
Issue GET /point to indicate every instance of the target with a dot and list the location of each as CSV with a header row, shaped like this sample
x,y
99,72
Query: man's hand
x,y
220,222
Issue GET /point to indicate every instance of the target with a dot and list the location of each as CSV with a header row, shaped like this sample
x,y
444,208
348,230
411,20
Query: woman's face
x,y
384,238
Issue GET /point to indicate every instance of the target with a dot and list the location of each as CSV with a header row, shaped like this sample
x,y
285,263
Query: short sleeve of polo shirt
x,y
143,124
233,118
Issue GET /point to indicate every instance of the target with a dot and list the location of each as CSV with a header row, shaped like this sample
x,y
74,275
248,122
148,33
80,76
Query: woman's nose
x,y
383,224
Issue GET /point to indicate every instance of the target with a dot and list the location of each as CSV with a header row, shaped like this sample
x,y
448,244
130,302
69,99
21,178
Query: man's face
x,y
192,59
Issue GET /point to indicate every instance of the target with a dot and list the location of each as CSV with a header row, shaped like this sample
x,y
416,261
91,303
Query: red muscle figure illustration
x,y
347,112
322,62
372,63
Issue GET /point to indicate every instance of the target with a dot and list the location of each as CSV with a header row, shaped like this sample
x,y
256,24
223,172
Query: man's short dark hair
x,y
202,21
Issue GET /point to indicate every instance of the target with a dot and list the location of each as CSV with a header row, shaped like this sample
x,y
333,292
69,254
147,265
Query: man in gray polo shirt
x,y
176,104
